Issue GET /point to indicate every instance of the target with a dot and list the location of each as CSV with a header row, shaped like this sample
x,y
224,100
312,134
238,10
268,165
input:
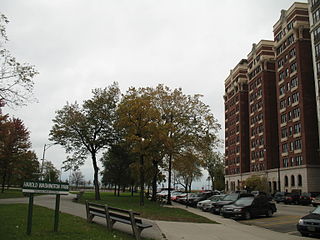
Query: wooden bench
x,y
113,215
78,196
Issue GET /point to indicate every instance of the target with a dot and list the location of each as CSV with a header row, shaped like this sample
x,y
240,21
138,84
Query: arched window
x,y
292,181
286,181
299,180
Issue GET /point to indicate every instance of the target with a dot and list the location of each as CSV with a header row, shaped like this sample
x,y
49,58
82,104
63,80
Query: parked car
x,y
305,198
257,193
292,198
228,199
177,195
248,207
279,196
183,200
315,201
310,224
207,205
193,201
208,200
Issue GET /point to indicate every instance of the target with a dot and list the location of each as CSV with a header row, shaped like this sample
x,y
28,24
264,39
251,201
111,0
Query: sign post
x,y
47,188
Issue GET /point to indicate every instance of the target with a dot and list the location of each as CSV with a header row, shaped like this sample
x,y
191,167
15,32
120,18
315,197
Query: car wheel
x,y
247,215
315,205
304,234
269,213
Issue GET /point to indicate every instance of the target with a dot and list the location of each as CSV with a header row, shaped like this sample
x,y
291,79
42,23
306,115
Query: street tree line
x,y
141,134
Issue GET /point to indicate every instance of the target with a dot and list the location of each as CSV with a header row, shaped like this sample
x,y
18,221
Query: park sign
x,y
45,187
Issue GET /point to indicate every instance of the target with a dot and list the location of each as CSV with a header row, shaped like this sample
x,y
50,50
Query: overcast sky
x,y
79,45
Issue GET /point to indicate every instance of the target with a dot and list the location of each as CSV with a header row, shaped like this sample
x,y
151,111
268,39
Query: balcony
x,y
297,135
297,151
296,119
284,154
284,139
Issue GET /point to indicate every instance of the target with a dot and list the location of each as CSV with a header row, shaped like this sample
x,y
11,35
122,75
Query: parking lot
x,y
284,220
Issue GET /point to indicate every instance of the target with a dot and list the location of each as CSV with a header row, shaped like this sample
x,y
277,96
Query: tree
x,y
16,79
189,124
14,145
77,178
214,164
256,183
138,119
116,162
188,167
87,129
50,173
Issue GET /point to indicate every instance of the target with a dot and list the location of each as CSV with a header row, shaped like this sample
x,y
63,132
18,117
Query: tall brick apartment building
x,y
282,122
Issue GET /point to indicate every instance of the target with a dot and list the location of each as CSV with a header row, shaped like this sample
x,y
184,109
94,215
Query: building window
x,y
296,113
286,181
292,181
298,160
294,82
285,162
295,97
292,53
297,144
297,128
284,133
317,50
299,180
316,16
283,118
293,67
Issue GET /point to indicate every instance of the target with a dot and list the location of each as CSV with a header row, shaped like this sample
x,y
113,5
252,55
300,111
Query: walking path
x,y
162,230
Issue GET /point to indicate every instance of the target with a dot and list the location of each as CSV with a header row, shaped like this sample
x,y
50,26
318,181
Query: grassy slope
x,y
150,210
13,226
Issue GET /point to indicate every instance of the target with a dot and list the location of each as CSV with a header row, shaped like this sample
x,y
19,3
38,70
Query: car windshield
x,y
231,197
244,201
214,198
317,210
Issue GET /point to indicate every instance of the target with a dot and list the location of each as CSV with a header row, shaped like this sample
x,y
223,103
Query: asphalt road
x,y
284,220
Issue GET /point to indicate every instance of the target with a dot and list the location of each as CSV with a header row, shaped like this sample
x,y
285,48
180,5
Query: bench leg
x,y
89,218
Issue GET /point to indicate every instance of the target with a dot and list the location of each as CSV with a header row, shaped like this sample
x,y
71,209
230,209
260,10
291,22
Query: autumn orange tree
x,y
138,118
17,161
87,129
165,126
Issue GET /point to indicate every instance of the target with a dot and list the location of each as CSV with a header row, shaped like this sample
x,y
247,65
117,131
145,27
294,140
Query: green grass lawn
x,y
13,226
11,193
150,210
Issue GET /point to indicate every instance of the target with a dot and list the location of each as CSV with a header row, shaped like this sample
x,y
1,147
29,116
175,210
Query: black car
x,y
192,201
292,198
279,196
248,207
305,199
228,199
310,224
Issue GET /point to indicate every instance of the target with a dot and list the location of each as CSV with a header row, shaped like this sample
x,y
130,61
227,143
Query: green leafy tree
x,y
214,164
77,178
16,79
87,129
256,183
50,173
116,162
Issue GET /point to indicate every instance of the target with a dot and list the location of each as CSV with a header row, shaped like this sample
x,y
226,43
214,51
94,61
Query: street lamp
x,y
45,147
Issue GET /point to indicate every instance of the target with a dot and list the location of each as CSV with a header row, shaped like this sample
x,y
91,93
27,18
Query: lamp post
x,y
45,147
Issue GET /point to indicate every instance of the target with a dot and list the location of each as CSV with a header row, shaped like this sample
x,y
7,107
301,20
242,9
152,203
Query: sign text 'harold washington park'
x,y
45,187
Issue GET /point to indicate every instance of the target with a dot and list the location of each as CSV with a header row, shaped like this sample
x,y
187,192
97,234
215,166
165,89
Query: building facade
x,y
282,117
236,125
314,17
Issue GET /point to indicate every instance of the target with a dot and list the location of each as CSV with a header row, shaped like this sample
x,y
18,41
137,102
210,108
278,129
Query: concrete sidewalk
x,y
227,229
162,230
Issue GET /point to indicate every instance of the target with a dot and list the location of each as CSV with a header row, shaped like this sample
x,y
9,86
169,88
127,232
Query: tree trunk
x,y
212,182
141,180
3,181
132,190
169,180
96,175
118,190
115,190
154,181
